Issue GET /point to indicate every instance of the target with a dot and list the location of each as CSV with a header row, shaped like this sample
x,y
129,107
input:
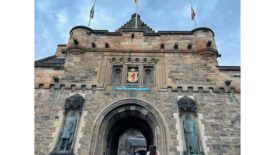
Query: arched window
x,y
148,75
117,75
116,78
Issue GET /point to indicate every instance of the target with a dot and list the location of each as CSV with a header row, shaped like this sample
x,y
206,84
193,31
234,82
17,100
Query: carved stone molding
x,y
187,104
74,102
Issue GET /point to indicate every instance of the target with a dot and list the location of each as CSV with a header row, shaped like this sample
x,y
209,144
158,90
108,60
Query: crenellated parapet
x,y
174,88
200,40
199,89
72,86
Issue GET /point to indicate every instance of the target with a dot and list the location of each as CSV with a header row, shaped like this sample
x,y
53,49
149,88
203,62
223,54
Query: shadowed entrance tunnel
x,y
121,126
123,115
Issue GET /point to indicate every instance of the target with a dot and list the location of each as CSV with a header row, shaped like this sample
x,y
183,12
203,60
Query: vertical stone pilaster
x,y
203,138
180,137
58,126
79,134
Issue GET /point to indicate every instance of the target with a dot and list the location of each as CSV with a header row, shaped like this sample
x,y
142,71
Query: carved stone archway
x,y
122,115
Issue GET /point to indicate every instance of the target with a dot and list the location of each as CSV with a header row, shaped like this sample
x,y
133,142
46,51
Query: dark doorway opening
x,y
121,126
132,142
142,152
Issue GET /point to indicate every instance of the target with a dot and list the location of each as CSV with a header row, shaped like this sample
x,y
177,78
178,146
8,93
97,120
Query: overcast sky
x,y
55,18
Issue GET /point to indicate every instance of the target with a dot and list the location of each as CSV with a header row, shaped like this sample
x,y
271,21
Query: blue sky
x,y
55,18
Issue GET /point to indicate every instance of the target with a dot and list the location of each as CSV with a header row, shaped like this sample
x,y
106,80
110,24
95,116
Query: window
x,y
135,71
148,75
116,77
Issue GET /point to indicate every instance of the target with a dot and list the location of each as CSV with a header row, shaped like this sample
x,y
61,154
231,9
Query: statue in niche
x,y
67,133
72,108
191,137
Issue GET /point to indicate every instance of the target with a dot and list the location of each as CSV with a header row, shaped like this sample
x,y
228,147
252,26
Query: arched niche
x,y
72,112
190,128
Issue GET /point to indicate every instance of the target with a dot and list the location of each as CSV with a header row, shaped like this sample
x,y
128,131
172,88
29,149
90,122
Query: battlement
x,y
178,88
71,86
199,89
93,40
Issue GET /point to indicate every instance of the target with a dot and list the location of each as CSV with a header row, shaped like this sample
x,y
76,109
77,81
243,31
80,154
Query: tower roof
x,y
51,62
130,25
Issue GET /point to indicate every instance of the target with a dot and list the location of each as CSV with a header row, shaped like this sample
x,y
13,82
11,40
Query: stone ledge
x,y
70,86
197,89
170,88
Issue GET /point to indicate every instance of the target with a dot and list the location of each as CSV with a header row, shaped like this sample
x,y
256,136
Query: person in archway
x,y
153,150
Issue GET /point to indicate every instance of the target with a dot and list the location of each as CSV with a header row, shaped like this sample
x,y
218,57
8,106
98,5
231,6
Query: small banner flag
x,y
136,1
92,12
193,14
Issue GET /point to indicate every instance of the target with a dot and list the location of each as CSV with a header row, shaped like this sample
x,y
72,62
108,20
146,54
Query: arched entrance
x,y
132,141
121,125
126,114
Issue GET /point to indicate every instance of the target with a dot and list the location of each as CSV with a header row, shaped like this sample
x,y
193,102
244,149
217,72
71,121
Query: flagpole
x,y
195,23
190,2
90,16
136,14
89,22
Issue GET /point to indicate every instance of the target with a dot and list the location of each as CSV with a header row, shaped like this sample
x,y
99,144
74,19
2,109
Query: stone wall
x,y
45,76
220,112
178,72
124,41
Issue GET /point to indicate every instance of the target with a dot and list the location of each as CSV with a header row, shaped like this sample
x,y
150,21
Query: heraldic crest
x,y
132,76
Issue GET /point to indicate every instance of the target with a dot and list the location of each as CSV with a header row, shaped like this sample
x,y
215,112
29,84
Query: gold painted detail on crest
x,y
132,75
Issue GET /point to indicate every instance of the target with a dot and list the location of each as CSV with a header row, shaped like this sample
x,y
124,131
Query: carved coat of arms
x,y
132,76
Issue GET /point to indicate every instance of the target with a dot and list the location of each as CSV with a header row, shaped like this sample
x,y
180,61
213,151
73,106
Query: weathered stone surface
x,y
88,71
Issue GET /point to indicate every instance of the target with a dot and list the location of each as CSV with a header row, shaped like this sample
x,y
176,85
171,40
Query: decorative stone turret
x,y
130,26
205,44
61,50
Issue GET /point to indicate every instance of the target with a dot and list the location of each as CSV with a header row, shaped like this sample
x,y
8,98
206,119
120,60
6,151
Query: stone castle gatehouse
x,y
167,85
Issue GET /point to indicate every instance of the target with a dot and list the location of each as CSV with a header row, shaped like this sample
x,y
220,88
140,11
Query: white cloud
x,y
62,24
205,9
43,6
62,18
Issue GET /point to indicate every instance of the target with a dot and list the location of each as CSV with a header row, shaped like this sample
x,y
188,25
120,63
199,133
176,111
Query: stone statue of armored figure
x,y
72,112
191,136
67,133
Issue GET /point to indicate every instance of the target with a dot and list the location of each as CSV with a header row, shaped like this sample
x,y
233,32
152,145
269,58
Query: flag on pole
x,y
92,12
136,1
193,14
